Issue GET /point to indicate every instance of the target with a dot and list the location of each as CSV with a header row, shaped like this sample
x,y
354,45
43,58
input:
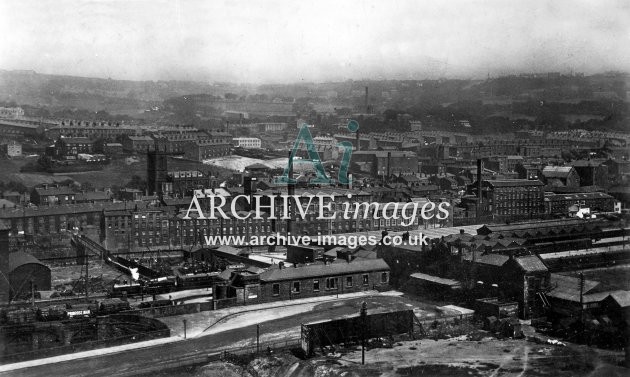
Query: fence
x,y
243,356
79,347
170,310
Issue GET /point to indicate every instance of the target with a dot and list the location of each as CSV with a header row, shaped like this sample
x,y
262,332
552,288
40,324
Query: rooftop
x,y
513,182
318,270
435,279
557,171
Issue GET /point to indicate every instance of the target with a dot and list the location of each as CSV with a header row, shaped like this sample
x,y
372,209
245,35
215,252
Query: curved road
x,y
145,359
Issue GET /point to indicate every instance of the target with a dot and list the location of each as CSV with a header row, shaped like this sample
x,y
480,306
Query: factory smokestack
x,y
479,186
367,107
291,192
5,228
389,161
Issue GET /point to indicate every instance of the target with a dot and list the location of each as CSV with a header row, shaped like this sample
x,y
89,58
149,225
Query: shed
x,y
24,269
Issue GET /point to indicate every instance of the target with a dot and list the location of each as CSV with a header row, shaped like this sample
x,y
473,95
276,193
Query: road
x,y
242,333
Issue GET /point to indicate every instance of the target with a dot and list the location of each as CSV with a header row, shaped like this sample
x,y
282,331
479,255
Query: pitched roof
x,y
60,209
4,225
322,270
75,140
93,195
435,279
531,263
557,171
4,203
140,138
577,196
586,163
621,297
64,190
514,182
493,259
567,287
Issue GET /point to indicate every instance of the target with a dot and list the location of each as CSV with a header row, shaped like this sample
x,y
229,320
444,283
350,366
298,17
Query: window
x,y
331,283
315,285
276,289
384,277
366,279
296,287
348,281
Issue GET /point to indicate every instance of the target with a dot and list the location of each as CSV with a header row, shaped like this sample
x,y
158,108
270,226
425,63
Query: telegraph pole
x,y
363,325
581,282
87,276
257,338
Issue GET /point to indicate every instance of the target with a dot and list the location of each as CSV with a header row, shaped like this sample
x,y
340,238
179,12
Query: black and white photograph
x,y
314,188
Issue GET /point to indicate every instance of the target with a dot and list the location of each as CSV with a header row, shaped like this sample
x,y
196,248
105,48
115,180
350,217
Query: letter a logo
x,y
305,136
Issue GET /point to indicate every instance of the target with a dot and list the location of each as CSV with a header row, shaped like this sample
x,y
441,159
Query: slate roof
x,y
76,140
567,287
497,260
622,298
43,191
322,270
60,209
557,171
537,226
493,259
514,182
587,163
4,203
4,225
531,263
93,195
435,279
140,138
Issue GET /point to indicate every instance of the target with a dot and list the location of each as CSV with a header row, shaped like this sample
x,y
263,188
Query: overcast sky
x,y
313,40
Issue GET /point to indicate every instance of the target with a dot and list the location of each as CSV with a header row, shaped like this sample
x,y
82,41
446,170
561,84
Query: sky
x,y
278,41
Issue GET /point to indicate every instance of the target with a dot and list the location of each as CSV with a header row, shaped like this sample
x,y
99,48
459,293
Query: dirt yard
x,y
447,357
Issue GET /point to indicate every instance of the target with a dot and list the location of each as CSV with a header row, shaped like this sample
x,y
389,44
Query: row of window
x,y
331,283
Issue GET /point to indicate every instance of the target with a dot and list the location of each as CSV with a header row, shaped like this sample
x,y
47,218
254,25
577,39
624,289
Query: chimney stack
x,y
290,191
479,186
389,160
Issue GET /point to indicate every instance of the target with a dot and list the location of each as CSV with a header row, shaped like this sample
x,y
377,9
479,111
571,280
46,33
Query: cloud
x,y
284,41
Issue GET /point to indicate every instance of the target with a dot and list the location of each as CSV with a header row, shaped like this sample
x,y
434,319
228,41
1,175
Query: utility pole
x,y
87,276
581,282
363,325
257,338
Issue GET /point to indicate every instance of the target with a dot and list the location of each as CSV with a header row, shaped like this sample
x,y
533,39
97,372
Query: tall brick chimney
x,y
479,186
4,261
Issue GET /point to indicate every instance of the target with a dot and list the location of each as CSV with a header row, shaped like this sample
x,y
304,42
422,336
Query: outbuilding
x,y
24,269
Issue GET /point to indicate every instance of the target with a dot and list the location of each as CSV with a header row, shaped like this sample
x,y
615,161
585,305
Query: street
x,y
276,324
